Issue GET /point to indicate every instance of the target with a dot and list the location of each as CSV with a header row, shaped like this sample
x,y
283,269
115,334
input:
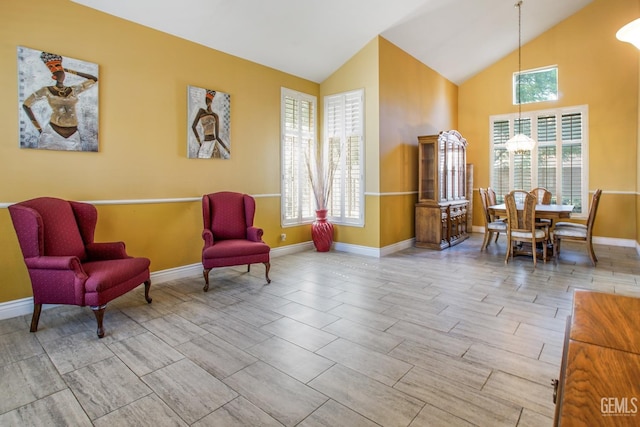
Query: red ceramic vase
x,y
322,231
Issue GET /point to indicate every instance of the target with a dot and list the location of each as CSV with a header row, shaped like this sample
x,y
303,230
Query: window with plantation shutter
x,y
556,163
298,130
344,147
572,160
547,149
501,165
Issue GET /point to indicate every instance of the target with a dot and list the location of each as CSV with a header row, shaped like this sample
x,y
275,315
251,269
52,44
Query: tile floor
x,y
417,338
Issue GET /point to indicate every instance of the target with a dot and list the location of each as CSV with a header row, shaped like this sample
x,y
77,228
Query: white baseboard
x,y
373,252
15,308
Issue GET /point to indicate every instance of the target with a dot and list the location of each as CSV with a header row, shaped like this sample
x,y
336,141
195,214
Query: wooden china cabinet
x,y
441,211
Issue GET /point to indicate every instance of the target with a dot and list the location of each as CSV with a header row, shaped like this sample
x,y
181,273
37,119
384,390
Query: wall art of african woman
x,y
209,120
58,101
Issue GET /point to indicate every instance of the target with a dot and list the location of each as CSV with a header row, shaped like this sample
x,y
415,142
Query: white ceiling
x,y
312,39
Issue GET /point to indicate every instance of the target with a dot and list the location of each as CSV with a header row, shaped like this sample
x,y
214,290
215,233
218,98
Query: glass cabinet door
x,y
442,167
428,172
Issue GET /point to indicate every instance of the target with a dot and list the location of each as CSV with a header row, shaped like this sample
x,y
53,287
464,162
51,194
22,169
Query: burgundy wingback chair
x,y
229,235
64,263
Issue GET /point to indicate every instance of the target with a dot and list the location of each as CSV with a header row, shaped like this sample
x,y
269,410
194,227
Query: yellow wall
x,y
403,99
595,69
143,79
414,100
144,76
361,72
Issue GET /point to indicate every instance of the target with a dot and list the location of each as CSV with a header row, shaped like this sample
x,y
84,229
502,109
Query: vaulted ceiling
x,y
312,39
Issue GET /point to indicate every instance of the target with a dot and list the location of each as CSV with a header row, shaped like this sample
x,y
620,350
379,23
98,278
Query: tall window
x,y
344,144
558,162
298,133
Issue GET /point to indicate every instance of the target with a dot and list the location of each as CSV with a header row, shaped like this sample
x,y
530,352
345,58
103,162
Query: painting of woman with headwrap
x,y
210,116
58,115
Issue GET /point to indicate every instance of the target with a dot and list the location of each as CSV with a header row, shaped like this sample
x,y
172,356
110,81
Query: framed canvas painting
x,y
209,120
57,102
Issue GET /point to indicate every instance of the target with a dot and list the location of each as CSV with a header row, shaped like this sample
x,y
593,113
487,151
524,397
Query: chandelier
x,y
630,33
520,142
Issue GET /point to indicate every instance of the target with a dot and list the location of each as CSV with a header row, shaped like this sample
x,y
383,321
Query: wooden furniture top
x,y
600,385
542,211
606,320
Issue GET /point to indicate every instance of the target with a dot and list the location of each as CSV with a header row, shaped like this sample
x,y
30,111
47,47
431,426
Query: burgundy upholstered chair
x,y
65,265
229,235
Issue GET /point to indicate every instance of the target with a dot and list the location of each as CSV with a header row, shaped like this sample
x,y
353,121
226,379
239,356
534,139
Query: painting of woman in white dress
x,y
210,116
61,114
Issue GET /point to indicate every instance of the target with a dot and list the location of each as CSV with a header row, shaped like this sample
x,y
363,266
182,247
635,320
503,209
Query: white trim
x,y
373,252
15,308
613,241
393,193
4,205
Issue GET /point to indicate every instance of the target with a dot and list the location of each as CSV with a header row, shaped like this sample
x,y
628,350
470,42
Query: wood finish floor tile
x,y
380,403
279,395
415,338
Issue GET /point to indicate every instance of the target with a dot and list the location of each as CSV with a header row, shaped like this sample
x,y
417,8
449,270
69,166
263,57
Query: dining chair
x,y
492,200
522,226
543,197
577,231
490,226
491,197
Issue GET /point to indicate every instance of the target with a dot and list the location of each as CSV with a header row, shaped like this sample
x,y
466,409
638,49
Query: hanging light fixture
x,y
630,33
520,142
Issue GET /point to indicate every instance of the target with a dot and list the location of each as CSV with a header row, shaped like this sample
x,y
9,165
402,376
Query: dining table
x,y
552,212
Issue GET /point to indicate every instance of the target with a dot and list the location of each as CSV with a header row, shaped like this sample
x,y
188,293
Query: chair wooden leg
x,y
544,251
509,249
267,266
98,310
592,254
497,235
37,308
534,251
205,273
147,286
487,238
248,268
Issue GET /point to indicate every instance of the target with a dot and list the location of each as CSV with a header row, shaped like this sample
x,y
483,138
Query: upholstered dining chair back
x,y
542,195
490,225
492,199
522,226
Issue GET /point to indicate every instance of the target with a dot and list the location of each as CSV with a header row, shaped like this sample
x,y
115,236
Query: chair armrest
x,y
254,234
56,263
207,236
106,250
